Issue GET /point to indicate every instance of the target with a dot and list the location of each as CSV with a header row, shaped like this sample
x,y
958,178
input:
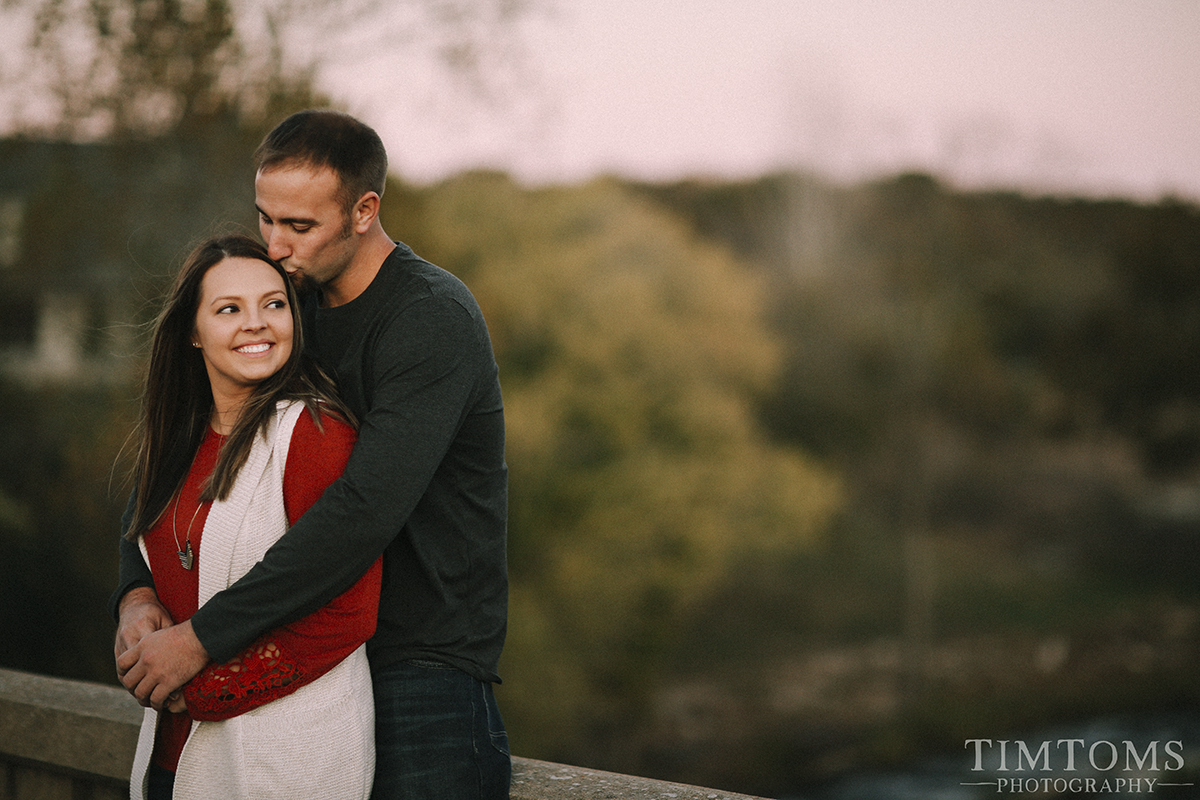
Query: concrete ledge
x,y
78,728
64,739
543,780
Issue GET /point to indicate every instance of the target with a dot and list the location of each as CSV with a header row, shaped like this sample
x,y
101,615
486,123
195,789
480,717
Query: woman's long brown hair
x,y
177,401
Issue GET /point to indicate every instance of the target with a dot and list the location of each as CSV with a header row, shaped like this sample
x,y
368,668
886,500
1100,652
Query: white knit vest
x,y
317,742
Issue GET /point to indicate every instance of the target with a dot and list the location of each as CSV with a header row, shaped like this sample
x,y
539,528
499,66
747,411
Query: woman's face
x,y
243,326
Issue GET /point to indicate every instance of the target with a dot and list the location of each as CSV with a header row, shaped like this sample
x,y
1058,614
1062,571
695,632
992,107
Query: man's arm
x,y
133,570
281,661
134,605
426,370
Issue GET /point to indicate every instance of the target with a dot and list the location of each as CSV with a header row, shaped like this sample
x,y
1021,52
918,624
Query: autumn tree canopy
x,y
631,353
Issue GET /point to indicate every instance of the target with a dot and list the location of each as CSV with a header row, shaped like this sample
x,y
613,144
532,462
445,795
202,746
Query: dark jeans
x,y
438,735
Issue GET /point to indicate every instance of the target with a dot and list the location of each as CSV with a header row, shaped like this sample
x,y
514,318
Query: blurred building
x,y
89,233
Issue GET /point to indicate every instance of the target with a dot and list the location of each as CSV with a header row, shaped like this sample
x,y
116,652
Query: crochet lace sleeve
x,y
262,673
283,660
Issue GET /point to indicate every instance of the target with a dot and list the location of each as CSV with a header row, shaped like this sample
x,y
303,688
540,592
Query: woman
x,y
239,435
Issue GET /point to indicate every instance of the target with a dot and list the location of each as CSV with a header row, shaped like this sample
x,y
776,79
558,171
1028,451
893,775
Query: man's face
x,y
303,223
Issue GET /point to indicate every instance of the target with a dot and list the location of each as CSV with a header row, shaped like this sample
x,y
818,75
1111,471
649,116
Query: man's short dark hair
x,y
325,138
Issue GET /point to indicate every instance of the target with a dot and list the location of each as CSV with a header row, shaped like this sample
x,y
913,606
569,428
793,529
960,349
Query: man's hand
x,y
154,668
140,613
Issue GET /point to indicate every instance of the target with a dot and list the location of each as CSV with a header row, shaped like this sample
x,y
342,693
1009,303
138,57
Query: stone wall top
x,y
79,729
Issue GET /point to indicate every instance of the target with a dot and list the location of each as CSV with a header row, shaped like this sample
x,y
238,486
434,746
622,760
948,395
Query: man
x,y
426,484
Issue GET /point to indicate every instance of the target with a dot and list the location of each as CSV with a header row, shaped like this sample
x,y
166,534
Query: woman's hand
x,y
175,703
141,613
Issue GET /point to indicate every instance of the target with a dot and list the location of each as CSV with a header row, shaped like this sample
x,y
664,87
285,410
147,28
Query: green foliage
x,y
1004,314
631,353
1009,381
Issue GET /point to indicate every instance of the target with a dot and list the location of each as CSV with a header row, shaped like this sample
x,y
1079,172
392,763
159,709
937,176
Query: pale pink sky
x,y
1091,96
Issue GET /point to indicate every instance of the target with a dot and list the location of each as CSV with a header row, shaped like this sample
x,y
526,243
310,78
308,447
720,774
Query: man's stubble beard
x,y
302,283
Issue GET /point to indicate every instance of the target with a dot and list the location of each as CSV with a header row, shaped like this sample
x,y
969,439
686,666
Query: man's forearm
x,y
299,574
133,571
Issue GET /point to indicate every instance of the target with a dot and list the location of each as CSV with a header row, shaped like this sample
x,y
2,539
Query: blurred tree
x,y
105,68
1132,353
631,354
142,68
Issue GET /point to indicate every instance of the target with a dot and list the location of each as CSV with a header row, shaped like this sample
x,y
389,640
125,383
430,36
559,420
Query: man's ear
x,y
365,212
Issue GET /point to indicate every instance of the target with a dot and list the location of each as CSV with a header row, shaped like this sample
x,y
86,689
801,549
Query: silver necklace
x,y
186,557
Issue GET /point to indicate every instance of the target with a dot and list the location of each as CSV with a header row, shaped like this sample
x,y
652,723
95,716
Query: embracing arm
x,y
134,605
133,571
285,659
425,373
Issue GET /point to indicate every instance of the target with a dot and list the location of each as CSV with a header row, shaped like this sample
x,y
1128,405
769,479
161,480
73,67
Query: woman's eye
x,y
277,304
227,309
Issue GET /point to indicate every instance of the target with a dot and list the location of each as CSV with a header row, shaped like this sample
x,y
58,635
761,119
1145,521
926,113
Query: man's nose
x,y
277,244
